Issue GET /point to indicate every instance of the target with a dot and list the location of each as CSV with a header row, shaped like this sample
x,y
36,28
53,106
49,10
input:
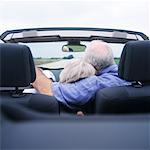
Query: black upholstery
x,y
126,99
16,66
135,67
135,61
29,107
17,70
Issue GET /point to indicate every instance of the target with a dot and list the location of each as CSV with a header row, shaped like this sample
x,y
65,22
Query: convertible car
x,y
115,118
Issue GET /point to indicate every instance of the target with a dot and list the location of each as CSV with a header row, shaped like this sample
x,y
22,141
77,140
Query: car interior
x,y
116,117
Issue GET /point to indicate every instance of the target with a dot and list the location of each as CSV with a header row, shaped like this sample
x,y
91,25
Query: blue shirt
x,y
80,92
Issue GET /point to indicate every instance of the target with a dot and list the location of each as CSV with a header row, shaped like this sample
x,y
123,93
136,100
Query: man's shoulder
x,y
110,69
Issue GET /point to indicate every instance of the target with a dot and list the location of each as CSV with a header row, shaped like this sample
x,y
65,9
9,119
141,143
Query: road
x,y
56,65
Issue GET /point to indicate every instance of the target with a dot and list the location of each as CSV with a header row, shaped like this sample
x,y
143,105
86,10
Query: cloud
x,y
118,14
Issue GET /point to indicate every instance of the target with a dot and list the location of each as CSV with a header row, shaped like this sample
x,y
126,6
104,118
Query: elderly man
x,y
98,54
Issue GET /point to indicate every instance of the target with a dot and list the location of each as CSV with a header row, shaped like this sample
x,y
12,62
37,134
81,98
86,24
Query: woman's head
x,y
76,70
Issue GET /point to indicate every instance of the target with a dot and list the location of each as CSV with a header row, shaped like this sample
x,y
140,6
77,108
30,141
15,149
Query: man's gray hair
x,y
99,54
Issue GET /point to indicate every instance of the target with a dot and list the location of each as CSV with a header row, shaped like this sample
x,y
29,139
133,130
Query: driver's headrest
x,y
135,61
16,66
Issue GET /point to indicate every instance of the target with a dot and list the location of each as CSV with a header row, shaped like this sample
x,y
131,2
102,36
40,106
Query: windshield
x,y
50,54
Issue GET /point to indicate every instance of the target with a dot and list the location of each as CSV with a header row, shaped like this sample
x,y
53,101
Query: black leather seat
x,y
17,72
134,67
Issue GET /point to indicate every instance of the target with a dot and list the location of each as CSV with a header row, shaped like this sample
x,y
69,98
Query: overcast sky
x,y
119,14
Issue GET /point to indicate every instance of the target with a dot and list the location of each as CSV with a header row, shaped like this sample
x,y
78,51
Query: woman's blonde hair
x,y
76,70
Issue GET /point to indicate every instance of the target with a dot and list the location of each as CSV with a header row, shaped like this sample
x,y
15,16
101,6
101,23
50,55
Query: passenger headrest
x,y
135,61
16,66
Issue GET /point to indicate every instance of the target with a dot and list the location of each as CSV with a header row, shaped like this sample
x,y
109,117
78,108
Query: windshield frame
x,y
33,34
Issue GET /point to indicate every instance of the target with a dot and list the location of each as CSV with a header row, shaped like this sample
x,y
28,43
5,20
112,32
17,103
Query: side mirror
x,y
73,48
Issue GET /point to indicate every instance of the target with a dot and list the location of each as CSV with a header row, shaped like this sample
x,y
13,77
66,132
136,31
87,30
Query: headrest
x,y
16,66
135,61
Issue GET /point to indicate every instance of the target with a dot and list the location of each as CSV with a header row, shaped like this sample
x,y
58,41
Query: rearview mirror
x,y
73,48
